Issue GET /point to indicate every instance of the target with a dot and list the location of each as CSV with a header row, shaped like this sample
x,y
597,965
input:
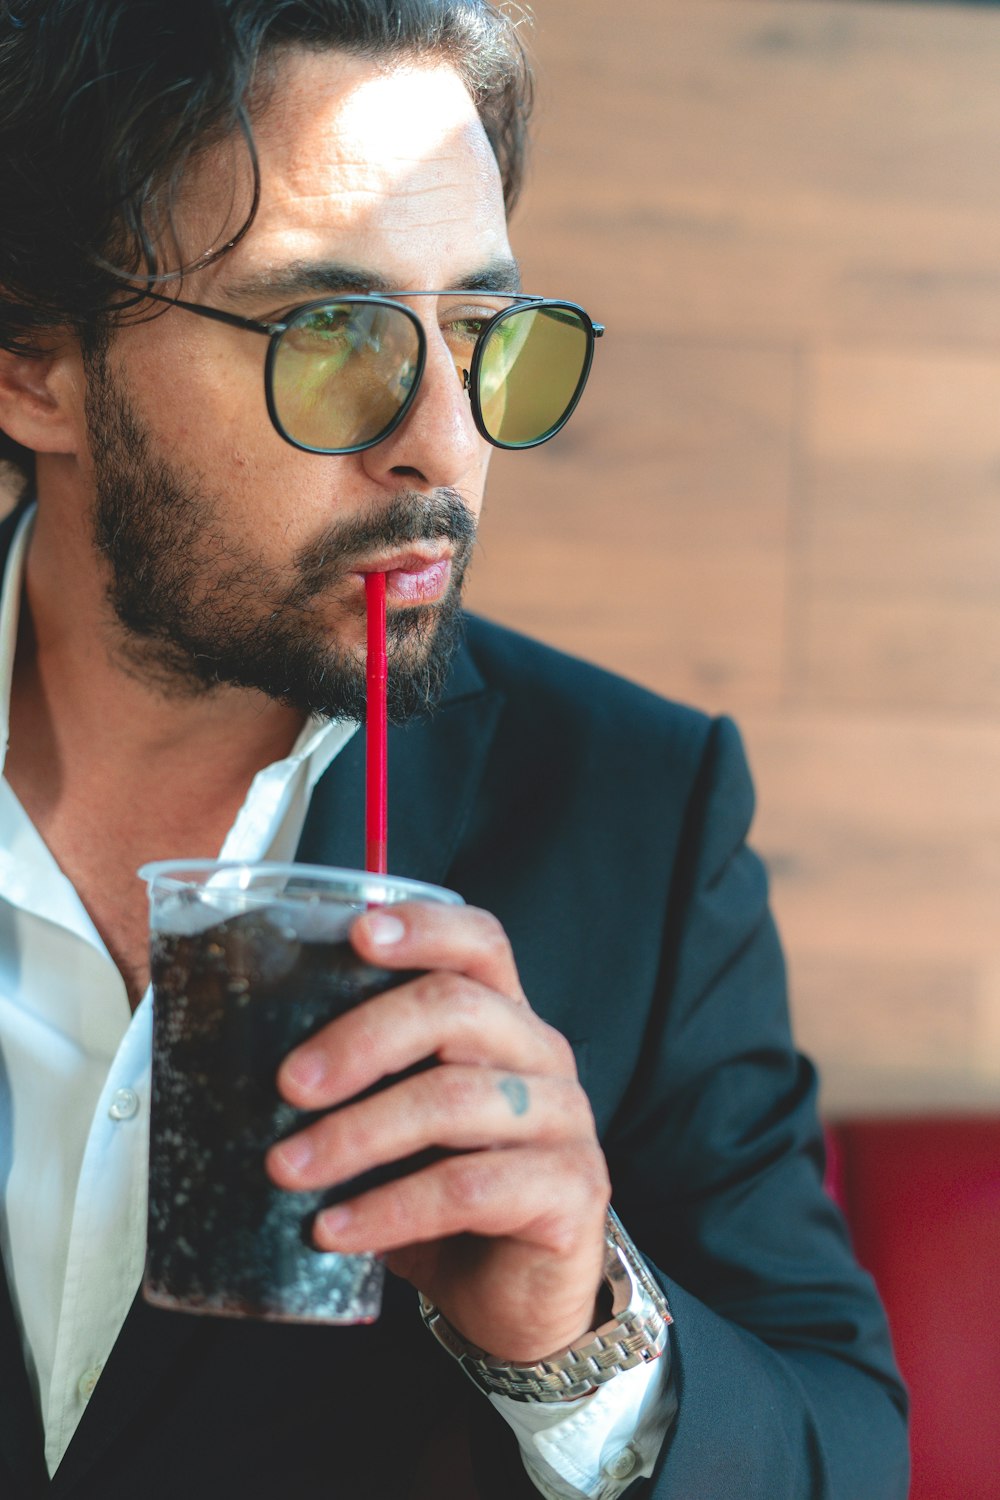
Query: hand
x,y
506,1237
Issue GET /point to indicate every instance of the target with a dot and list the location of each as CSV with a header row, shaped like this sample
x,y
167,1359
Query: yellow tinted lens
x,y
342,372
530,371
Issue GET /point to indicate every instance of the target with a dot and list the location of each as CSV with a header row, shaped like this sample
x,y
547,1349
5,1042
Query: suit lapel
x,y
149,1347
22,1454
22,1461
435,767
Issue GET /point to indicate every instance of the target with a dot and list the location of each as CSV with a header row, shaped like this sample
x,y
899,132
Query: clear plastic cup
x,y
248,960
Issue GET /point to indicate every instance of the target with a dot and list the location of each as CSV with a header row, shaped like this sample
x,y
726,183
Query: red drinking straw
x,y
377,782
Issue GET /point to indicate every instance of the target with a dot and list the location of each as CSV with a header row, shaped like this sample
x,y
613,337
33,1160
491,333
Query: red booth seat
x,y
922,1197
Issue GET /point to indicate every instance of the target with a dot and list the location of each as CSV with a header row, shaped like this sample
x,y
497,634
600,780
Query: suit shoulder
x,y
554,688
585,766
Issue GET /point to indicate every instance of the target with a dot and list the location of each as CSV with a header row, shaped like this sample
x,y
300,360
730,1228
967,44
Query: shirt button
x,y
124,1104
621,1466
88,1380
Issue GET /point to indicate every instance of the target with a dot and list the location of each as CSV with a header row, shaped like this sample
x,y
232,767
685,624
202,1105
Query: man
x,y
182,638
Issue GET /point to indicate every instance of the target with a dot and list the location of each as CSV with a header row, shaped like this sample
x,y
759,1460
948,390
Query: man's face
x,y
239,559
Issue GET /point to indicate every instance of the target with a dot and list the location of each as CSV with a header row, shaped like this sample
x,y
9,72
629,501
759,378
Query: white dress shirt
x,y
74,1119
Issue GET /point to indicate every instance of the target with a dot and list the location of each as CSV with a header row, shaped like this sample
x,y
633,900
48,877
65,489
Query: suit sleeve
x,y
784,1374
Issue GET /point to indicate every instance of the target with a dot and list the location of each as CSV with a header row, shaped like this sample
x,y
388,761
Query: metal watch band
x,y
636,1334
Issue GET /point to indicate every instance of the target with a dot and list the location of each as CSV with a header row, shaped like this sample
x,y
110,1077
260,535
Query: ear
x,y
42,398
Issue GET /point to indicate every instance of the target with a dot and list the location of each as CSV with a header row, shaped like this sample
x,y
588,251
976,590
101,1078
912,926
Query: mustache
x,y
409,517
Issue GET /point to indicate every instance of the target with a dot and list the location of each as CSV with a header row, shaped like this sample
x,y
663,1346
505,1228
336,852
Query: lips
x,y
413,579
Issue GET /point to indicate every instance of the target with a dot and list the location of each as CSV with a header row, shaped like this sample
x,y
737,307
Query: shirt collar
x,y
10,609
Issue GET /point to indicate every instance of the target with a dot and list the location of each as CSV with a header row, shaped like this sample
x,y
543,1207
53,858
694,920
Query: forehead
x,y
382,168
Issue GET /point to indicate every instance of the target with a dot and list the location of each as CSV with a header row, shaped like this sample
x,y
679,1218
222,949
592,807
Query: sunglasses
x,y
341,373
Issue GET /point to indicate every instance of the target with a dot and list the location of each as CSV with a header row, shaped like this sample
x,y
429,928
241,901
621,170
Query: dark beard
x,y
199,610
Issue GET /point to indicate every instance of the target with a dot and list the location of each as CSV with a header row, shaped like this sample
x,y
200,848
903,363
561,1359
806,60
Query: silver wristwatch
x,y
635,1334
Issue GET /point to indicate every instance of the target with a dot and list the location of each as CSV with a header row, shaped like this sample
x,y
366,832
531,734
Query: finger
x,y
539,1194
461,1109
440,1015
422,935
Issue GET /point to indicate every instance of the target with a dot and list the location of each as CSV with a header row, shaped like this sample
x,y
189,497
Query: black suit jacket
x,y
606,829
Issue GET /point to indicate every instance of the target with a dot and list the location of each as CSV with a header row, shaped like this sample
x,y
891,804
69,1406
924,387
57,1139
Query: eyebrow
x,y
307,279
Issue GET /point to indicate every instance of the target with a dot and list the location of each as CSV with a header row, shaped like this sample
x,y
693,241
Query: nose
x,y
437,444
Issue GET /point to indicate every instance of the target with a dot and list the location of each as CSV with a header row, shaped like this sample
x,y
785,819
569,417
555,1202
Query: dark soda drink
x,y
231,1000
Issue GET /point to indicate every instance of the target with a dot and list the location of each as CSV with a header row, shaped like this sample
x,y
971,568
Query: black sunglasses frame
x,y
520,302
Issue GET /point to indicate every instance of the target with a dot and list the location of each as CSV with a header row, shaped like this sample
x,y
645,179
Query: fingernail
x,y
295,1154
333,1220
305,1070
384,930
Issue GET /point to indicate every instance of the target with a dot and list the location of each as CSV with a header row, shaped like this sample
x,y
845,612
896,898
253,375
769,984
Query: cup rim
x,y
166,875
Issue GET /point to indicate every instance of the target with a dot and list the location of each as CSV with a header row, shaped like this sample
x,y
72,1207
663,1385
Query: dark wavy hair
x,y
103,103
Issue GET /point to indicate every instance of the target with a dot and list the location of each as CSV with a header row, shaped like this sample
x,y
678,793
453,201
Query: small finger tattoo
x,y
515,1091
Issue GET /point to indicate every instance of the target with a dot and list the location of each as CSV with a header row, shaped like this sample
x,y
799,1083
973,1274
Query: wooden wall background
x,y
781,497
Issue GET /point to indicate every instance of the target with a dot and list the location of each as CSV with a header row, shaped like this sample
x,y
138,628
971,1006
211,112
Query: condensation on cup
x,y
248,960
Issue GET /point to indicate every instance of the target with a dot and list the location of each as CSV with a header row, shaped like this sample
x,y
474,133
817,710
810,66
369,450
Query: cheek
x,y
209,420
224,418
200,392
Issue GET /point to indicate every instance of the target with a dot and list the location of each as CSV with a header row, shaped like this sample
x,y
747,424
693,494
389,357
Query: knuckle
x,y
465,1184
347,1133
413,1010
562,1234
563,1056
584,1171
413,998
395,1209
573,1107
453,1005
492,937
457,994
594,1173
440,987
457,1092
367,1040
